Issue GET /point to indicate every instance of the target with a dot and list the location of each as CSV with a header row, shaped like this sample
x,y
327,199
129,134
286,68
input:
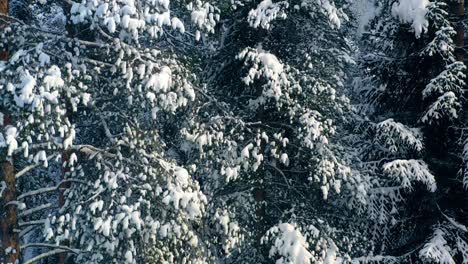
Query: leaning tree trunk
x,y
9,248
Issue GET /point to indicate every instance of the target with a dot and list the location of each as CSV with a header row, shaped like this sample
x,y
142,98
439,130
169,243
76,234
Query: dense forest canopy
x,y
233,131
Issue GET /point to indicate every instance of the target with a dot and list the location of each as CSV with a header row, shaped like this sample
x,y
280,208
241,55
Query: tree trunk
x,y
3,10
9,249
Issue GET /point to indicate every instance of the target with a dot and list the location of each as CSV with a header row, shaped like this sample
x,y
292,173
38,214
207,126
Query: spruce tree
x,y
413,86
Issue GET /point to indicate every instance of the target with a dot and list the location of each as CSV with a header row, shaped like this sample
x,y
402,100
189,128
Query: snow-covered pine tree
x,y
211,132
104,96
412,85
266,142
9,243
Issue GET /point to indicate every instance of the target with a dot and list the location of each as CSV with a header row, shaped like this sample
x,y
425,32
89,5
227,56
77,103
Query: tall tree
x,y
413,88
9,251
224,131
266,144
61,90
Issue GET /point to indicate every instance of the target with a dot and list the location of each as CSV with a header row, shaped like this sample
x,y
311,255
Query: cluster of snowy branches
x,y
247,131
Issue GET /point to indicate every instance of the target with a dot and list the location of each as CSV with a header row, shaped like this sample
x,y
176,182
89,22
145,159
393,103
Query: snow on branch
x,y
445,106
44,255
265,65
44,245
449,80
409,171
397,136
48,189
289,244
436,249
327,8
266,12
414,12
35,209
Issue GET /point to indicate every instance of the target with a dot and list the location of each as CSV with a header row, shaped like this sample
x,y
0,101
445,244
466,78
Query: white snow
x,y
436,250
110,23
409,171
68,141
389,130
73,159
189,92
164,3
177,24
162,81
414,12
17,55
366,10
102,9
163,19
332,12
150,96
204,17
3,187
98,223
444,105
271,63
85,98
53,78
325,189
10,139
44,59
284,159
128,257
264,65
182,176
265,13
199,17
27,85
41,156
246,151
290,244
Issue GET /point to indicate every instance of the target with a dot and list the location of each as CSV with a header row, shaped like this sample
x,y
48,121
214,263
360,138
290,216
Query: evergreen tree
x,y
413,86
233,132
267,144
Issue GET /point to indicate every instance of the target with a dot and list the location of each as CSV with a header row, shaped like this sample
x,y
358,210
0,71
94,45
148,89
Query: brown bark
x,y
3,10
8,214
8,222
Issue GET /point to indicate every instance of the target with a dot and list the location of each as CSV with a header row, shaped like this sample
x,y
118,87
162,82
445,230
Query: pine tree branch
x,y
44,255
